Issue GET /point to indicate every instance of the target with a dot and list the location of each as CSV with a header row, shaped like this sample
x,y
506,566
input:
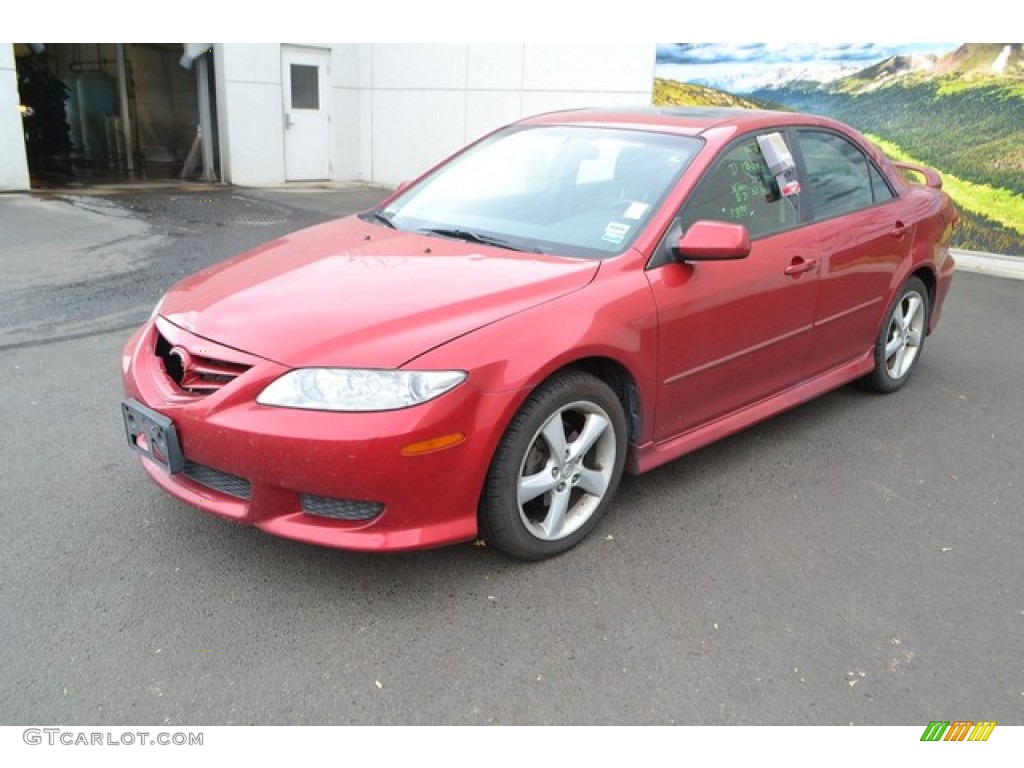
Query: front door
x,y
735,332
306,114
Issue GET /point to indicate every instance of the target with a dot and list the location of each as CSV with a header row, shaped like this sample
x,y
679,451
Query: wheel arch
x,y
622,383
927,276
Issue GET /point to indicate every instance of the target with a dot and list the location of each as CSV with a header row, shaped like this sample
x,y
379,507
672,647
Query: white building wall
x,y
398,109
13,162
350,100
426,101
250,113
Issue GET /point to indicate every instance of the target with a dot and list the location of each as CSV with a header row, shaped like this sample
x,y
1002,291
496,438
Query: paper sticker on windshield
x,y
615,232
636,210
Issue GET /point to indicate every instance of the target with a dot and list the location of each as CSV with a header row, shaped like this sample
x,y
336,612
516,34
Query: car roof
x,y
690,121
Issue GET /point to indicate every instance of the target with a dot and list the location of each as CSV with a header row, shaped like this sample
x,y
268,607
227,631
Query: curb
x,y
993,264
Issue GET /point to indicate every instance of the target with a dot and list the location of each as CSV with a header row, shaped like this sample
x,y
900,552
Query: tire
x,y
901,338
556,468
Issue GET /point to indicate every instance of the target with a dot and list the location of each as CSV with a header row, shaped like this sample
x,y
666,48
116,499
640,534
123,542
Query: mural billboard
x,y
958,108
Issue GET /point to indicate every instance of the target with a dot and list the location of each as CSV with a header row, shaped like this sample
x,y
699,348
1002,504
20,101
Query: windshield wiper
x,y
475,237
381,218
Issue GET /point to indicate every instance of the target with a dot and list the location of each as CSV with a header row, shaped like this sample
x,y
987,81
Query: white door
x,y
306,114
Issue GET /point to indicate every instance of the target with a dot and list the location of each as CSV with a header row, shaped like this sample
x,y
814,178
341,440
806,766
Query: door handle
x,y
899,230
801,265
288,122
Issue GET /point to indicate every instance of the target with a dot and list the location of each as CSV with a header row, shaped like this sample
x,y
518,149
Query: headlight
x,y
347,389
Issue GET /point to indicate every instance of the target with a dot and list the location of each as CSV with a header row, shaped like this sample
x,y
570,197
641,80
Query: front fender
x,y
613,317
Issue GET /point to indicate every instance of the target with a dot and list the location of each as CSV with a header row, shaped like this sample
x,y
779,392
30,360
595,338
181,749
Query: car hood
x,y
349,293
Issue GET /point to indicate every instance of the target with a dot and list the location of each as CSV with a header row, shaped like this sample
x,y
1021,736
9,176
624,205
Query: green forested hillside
x,y
973,129
991,219
673,93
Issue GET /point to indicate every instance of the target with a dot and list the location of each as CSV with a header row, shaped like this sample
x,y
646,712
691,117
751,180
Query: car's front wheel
x,y
901,339
556,469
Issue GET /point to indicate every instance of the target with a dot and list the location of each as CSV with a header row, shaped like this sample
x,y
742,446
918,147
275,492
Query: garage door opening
x,y
100,113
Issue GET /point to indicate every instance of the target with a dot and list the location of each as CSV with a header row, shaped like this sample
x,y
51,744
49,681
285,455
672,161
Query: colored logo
x,y
958,730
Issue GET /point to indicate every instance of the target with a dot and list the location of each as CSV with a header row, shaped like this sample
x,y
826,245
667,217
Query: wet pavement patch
x,y
226,209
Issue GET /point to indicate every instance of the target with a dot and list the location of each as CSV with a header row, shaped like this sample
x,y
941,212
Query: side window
x,y
840,176
739,188
879,187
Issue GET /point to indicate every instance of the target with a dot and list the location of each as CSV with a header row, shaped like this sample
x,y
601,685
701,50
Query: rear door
x,y
863,233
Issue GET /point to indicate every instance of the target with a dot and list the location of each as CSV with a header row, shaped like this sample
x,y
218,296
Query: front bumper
x,y
283,469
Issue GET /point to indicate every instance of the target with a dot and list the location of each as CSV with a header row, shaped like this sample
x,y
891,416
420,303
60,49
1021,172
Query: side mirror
x,y
713,241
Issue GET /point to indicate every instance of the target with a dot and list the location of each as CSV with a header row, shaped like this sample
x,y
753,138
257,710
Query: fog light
x,y
340,509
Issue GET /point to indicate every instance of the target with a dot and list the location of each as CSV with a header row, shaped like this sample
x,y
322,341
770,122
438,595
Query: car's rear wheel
x,y
556,469
901,339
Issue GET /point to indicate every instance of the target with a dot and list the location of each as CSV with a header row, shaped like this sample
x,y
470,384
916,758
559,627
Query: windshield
x,y
572,190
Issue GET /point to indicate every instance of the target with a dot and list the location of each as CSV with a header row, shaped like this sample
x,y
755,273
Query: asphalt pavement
x,y
76,262
856,560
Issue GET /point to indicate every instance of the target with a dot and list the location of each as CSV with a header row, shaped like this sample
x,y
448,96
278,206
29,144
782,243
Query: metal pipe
x,y
205,119
126,120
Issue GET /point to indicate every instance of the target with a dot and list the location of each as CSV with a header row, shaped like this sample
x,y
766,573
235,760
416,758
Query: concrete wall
x,y
13,162
420,103
250,113
398,109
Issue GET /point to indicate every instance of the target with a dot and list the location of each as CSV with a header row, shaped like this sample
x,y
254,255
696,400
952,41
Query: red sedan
x,y
573,296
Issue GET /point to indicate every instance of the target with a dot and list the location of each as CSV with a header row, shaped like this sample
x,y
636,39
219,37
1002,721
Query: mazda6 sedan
x,y
573,296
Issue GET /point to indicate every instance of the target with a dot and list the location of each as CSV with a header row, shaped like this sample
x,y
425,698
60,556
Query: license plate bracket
x,y
153,435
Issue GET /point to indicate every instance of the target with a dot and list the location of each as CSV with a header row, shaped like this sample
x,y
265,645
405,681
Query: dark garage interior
x,y
100,113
